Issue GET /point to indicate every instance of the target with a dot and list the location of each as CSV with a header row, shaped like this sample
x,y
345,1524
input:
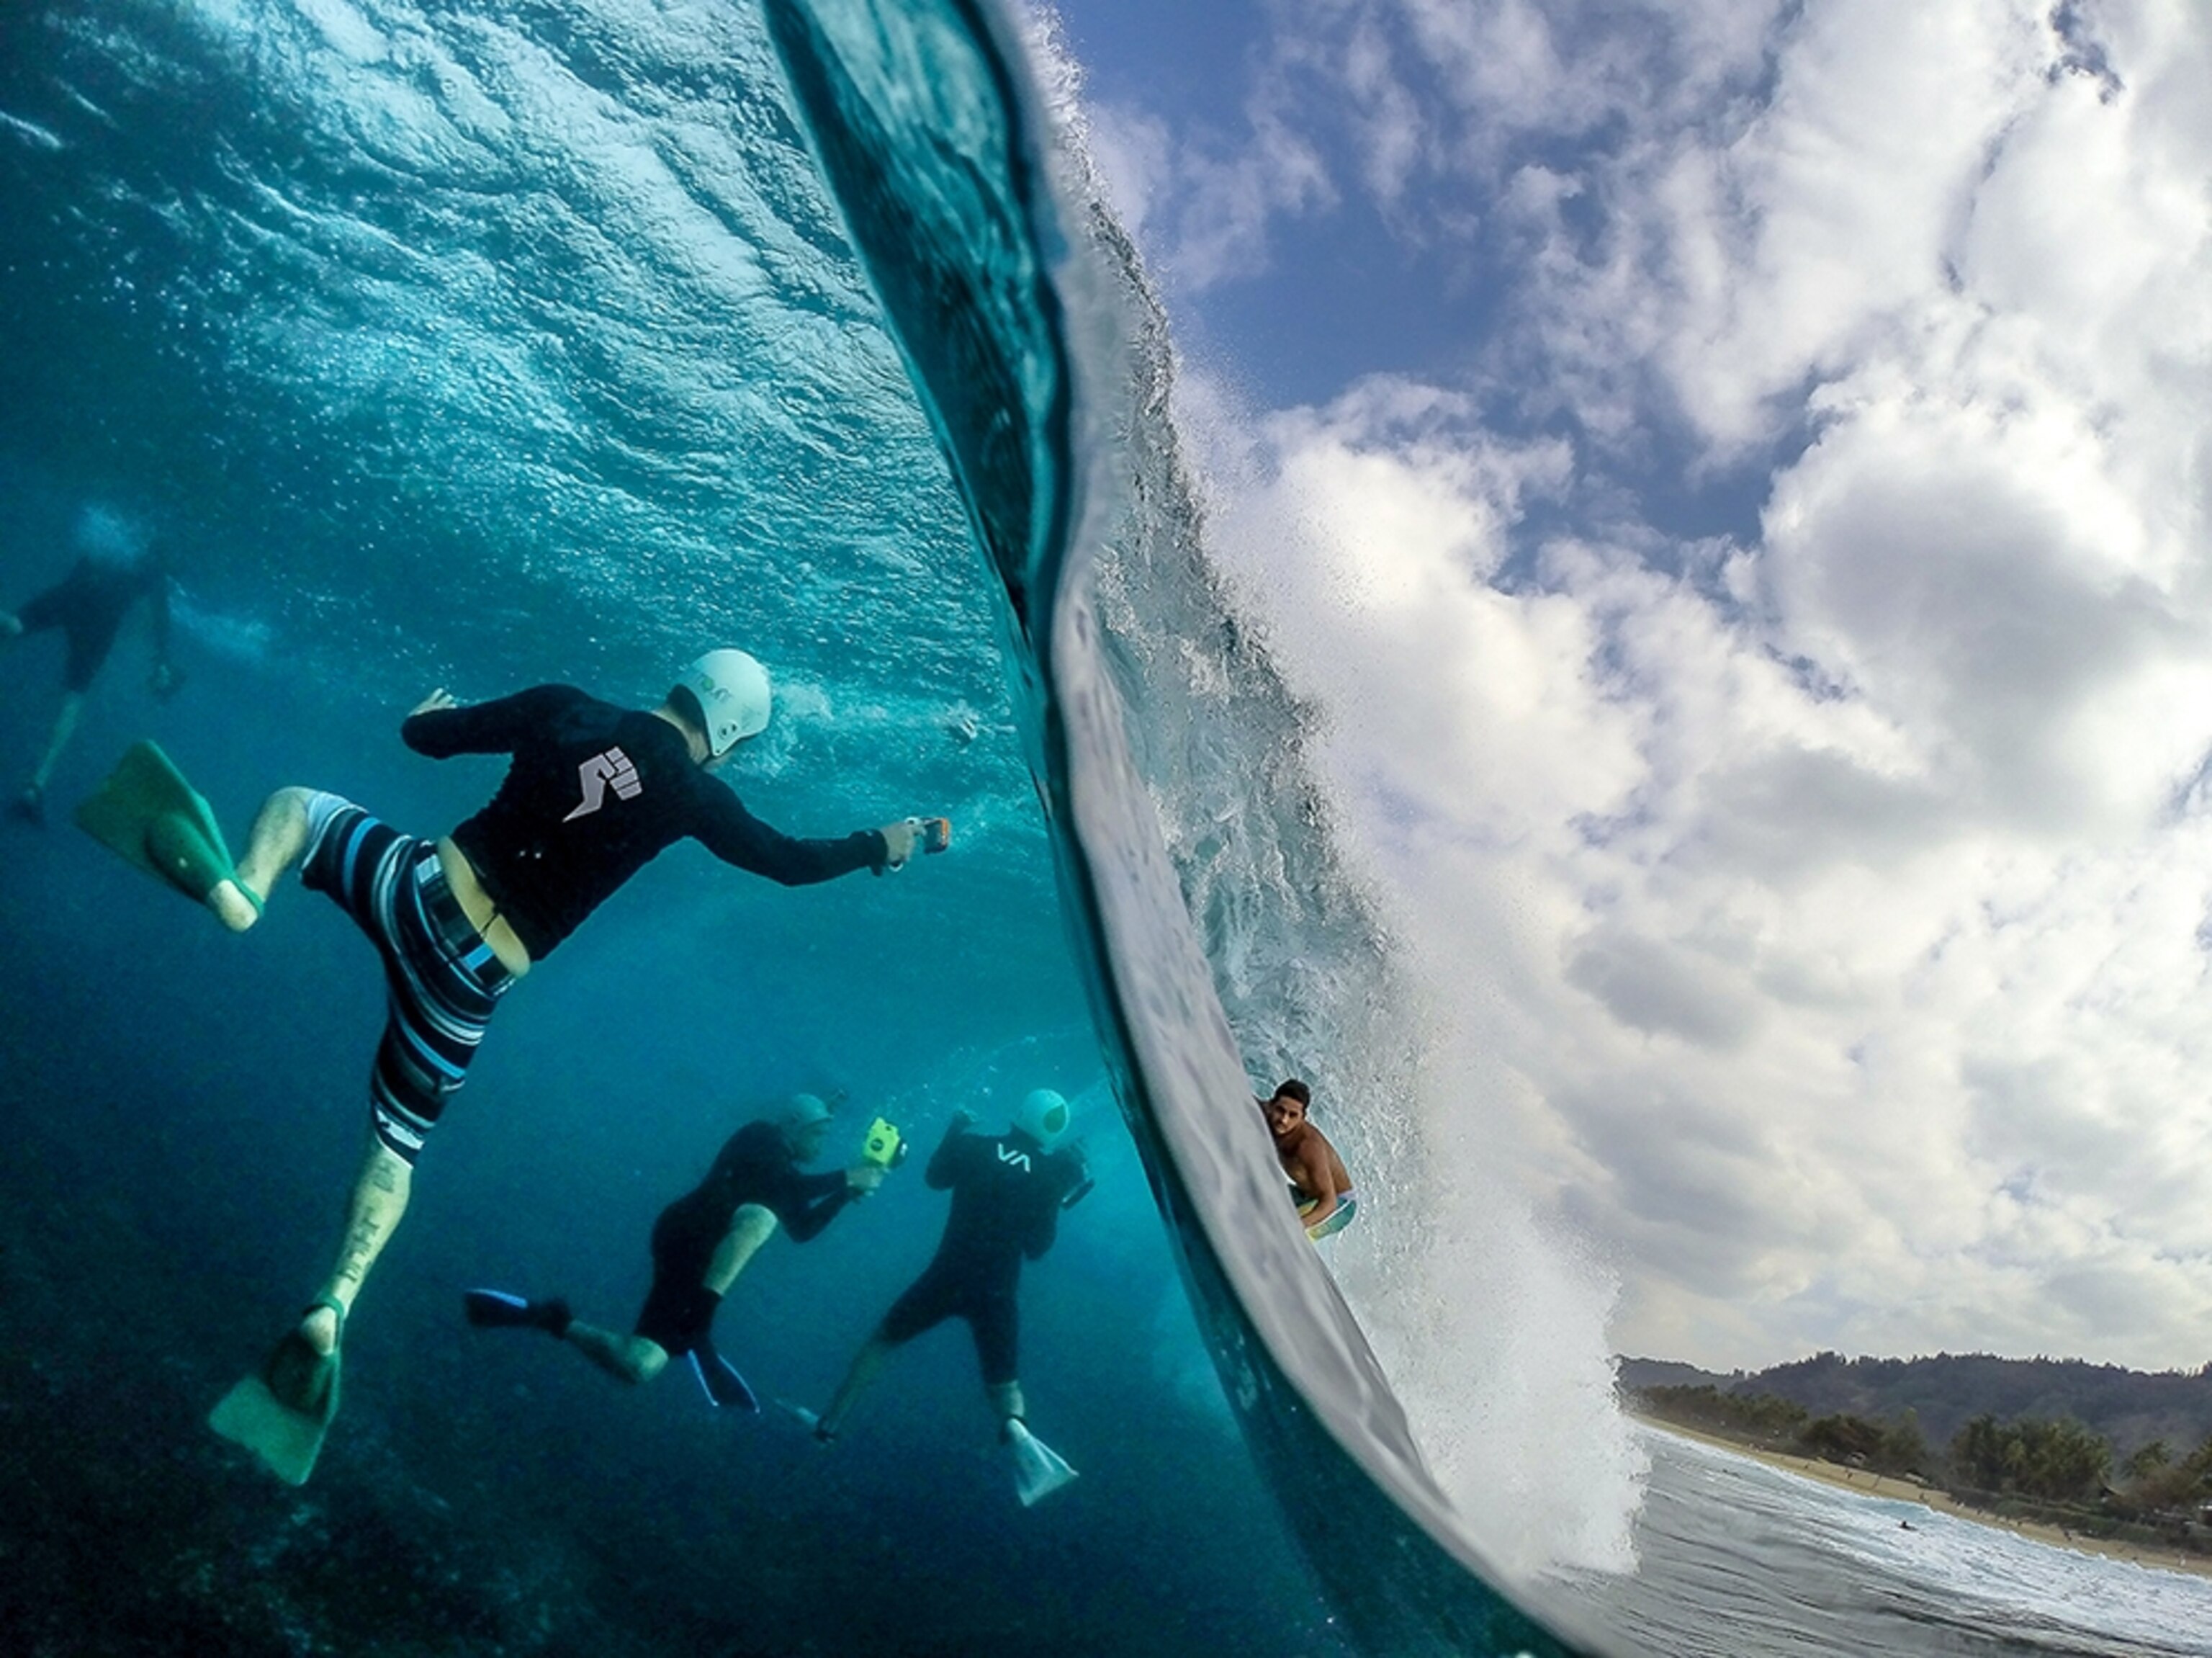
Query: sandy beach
x,y
1883,1486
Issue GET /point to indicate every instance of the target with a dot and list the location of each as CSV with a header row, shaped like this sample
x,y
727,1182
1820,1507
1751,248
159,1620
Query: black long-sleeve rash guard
x,y
594,793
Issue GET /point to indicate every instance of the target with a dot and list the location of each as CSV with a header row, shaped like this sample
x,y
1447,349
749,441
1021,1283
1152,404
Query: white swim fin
x,y
1039,1471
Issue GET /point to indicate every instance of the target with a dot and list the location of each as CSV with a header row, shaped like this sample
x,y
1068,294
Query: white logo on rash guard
x,y
1008,1154
596,773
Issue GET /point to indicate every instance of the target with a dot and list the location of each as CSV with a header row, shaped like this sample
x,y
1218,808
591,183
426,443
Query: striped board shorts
x,y
441,977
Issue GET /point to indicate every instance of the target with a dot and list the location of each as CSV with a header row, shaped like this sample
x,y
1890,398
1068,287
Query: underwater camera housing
x,y
886,1147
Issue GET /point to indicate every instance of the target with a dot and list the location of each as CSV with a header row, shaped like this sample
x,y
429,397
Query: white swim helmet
x,y
1043,1117
732,690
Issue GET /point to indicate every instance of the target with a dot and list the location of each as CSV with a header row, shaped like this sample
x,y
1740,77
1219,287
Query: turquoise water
x,y
483,348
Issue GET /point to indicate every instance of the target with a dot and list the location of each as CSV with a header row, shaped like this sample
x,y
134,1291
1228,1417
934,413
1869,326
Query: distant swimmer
x,y
593,793
1007,1190
1320,1185
701,1243
116,568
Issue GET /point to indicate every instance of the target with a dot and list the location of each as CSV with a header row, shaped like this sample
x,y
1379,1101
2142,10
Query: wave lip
x,y
929,138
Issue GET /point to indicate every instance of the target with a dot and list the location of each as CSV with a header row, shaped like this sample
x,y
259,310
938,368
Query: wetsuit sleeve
x,y
493,728
811,1202
736,836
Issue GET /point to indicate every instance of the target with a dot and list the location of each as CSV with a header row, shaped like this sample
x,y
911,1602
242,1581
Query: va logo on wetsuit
x,y
1009,1155
596,773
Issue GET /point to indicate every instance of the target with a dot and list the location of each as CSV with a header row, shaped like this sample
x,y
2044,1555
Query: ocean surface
x,y
483,346
1740,1560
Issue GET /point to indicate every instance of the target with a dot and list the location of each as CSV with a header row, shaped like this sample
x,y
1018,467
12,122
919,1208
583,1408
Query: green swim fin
x,y
149,816
282,1414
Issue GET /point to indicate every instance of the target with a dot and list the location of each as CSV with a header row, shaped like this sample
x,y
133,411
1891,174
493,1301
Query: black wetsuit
x,y
756,1167
1006,1197
89,605
595,792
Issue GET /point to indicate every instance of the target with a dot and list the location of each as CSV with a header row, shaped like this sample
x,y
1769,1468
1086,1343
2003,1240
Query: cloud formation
x,y
1825,889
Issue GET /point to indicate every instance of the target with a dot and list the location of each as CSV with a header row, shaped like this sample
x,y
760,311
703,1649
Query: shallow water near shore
x,y
1738,1559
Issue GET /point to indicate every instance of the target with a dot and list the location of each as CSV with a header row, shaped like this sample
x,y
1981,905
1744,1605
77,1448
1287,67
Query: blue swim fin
x,y
719,1380
495,1309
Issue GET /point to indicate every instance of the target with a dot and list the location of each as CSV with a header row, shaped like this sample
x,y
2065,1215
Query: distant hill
x,y
2128,1407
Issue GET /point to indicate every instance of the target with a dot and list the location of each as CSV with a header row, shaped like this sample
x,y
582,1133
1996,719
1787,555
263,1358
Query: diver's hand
x,y
431,705
963,1118
863,1179
903,839
165,681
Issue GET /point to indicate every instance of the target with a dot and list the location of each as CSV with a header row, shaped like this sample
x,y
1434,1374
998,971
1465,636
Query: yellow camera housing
x,y
886,1147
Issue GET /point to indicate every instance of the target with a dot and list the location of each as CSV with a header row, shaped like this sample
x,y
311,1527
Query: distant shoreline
x,y
1866,1483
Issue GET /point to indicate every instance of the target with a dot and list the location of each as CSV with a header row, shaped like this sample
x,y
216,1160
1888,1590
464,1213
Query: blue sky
x,y
1735,474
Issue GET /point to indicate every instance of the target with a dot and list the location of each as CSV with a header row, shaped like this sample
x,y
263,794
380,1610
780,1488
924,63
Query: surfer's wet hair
x,y
1296,1090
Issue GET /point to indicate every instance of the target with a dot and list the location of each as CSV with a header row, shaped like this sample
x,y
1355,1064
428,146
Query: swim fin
x,y
149,816
282,1414
721,1380
495,1309
1039,1471
808,1419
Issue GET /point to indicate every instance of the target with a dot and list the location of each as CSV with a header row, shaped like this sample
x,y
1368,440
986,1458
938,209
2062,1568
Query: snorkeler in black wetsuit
x,y
701,1243
593,792
114,572
1007,1190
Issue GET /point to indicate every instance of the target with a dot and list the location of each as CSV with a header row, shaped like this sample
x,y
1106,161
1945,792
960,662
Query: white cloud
x,y
1825,911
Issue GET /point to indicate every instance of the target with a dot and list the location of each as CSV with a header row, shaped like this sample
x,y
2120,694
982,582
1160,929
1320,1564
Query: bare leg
x,y
379,1198
57,741
749,1227
866,1364
627,1358
279,837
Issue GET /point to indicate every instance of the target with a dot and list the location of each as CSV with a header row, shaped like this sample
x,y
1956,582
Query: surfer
x,y
115,569
1319,1185
1007,1191
593,792
701,1243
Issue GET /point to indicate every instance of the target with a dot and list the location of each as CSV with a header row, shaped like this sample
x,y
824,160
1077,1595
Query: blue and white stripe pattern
x,y
442,978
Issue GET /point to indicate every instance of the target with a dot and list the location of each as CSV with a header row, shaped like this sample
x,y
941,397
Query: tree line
x,y
2049,1459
